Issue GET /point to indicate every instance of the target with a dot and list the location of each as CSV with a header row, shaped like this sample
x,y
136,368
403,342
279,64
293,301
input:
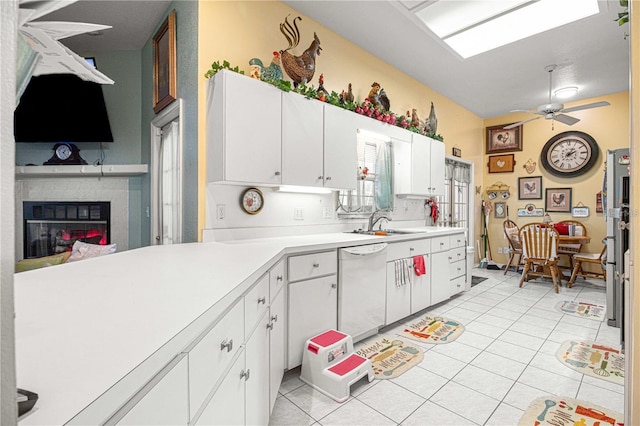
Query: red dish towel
x,y
419,266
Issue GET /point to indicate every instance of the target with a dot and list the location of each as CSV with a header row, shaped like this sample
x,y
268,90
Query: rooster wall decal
x,y
299,68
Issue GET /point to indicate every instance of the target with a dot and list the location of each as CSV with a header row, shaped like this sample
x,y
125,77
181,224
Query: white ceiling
x,y
591,53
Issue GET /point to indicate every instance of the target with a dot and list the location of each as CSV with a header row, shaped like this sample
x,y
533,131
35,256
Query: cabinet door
x,y
276,347
167,403
226,407
420,164
276,279
421,289
401,167
257,383
440,282
436,163
313,308
340,155
398,297
243,117
302,141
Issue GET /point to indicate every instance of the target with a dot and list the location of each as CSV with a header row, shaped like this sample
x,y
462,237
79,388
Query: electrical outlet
x,y
499,250
298,213
506,250
327,213
221,209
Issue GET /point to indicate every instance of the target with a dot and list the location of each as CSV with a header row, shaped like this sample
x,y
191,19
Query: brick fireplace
x,y
113,190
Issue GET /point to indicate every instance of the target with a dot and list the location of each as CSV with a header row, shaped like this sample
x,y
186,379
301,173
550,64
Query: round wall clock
x,y
569,154
252,200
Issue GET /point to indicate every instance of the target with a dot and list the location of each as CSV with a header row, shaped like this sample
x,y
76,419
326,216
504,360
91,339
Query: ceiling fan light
x,y
566,92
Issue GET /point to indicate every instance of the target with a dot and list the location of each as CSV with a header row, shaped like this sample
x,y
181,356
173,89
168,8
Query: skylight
x,y
474,27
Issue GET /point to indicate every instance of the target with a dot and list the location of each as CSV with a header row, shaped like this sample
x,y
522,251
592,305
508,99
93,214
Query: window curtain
x,y
170,192
459,172
383,182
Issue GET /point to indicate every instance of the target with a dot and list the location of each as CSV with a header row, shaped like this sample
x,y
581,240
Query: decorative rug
x,y
476,280
433,330
390,357
593,359
560,411
583,309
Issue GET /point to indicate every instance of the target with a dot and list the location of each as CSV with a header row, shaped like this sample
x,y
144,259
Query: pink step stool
x,y
330,365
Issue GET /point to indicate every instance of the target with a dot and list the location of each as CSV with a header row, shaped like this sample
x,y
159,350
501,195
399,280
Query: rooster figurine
x,y
373,95
384,100
270,73
431,123
299,68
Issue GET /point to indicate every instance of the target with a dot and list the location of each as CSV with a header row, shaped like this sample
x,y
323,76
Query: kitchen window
x,y
454,204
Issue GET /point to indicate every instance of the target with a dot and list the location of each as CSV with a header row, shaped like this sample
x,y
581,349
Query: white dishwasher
x,y
362,281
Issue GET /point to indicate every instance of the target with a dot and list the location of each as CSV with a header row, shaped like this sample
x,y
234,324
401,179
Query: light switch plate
x,y
298,213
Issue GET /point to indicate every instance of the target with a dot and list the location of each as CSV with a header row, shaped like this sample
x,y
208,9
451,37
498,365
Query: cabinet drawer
x,y
458,285
312,265
457,269
408,249
208,359
255,304
440,244
276,279
456,254
457,240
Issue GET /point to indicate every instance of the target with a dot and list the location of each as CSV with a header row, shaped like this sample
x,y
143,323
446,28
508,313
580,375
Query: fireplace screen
x,y
53,227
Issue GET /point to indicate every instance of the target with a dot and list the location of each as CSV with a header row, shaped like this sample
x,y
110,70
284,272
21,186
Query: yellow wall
x,y
238,31
609,126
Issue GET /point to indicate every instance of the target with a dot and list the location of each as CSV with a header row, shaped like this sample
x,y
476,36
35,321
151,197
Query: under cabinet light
x,y
302,189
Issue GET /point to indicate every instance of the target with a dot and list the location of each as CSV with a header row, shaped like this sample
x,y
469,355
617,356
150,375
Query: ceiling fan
x,y
555,111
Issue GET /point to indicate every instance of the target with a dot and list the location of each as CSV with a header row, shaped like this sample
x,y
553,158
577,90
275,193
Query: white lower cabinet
x,y
313,308
440,285
257,402
421,289
165,400
277,338
398,297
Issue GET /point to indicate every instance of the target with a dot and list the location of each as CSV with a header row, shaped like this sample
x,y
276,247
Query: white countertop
x,y
81,327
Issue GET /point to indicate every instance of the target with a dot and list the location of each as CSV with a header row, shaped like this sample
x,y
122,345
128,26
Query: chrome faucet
x,y
373,220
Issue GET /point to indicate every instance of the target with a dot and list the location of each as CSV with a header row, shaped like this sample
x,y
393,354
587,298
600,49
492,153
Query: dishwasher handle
x,y
368,250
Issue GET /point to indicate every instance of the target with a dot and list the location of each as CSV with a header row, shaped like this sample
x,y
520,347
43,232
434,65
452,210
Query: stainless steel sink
x,y
386,232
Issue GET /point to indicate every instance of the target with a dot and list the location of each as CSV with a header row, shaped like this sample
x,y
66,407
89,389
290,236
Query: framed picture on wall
x,y
500,210
501,163
500,139
558,200
164,64
530,188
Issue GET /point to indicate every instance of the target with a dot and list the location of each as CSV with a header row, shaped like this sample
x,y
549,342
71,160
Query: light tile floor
x,y
488,376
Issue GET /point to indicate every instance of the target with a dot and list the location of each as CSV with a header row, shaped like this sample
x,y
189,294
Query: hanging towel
x,y
419,266
403,272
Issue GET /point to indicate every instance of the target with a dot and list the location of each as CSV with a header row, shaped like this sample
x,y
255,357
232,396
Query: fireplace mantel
x,y
27,172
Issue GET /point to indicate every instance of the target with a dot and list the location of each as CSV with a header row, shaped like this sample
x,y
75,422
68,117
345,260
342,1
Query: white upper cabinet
x,y
340,152
418,167
302,141
243,130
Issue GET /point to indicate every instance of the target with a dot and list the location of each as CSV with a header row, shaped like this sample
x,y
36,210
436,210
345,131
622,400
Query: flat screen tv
x,y
62,108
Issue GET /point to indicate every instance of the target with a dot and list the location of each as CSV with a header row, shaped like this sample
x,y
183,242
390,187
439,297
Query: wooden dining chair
x,y
512,232
598,259
570,249
540,252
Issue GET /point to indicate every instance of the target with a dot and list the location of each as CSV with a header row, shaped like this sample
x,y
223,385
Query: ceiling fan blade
x,y
587,106
566,119
511,126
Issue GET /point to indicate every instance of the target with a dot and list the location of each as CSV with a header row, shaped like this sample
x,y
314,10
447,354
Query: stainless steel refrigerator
x,y
616,208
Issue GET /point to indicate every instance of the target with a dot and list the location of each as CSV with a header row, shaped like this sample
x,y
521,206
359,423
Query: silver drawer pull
x,y
262,300
270,326
279,278
277,173
316,265
410,248
245,374
274,318
320,177
328,177
334,285
227,344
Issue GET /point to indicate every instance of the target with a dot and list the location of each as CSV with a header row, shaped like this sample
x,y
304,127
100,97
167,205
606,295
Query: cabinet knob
x,y
320,177
274,318
262,300
277,173
245,374
328,177
334,285
226,344
316,265
270,326
279,278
